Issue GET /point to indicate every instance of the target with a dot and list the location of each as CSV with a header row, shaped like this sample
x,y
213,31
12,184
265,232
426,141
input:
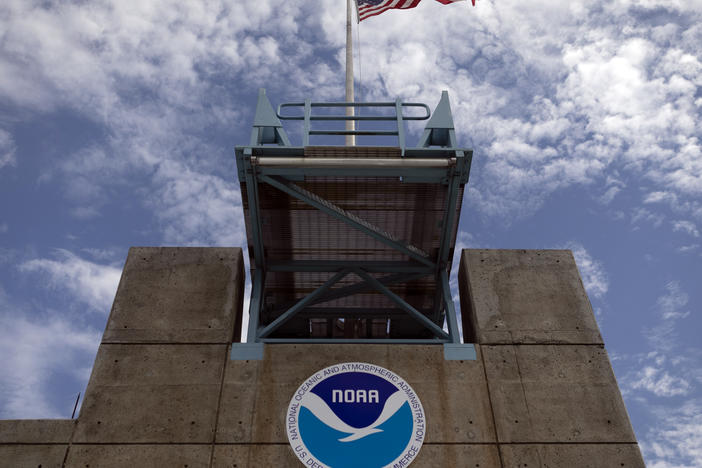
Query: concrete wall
x,y
553,394
164,392
35,443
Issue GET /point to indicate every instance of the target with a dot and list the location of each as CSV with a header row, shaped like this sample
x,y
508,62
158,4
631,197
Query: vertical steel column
x,y
447,231
451,319
252,193
449,217
306,123
255,305
259,260
400,126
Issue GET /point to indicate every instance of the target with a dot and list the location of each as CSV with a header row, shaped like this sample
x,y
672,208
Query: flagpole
x,y
350,124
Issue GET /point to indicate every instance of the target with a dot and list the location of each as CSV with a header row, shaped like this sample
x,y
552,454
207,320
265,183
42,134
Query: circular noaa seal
x,y
355,414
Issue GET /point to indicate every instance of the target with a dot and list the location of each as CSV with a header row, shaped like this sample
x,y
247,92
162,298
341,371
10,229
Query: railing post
x,y
400,125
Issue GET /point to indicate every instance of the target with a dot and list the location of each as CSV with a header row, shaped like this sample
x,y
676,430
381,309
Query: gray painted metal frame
x,y
439,132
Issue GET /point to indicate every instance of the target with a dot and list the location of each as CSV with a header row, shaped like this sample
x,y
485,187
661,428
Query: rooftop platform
x,y
351,243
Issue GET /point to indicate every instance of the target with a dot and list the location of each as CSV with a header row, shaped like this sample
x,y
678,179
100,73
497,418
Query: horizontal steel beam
x,y
433,175
352,162
333,265
347,312
355,340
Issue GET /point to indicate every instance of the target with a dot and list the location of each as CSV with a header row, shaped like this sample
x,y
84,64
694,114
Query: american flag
x,y
368,8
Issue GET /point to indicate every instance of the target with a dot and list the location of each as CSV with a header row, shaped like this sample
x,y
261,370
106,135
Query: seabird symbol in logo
x,y
322,411
355,414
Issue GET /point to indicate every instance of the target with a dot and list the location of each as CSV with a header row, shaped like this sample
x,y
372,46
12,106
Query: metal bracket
x,y
246,352
439,131
267,128
459,352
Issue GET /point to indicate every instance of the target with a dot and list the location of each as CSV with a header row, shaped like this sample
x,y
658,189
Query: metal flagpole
x,y
350,124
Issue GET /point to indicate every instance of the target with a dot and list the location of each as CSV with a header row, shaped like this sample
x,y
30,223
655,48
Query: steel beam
x,y
252,194
447,225
356,340
290,313
349,218
255,305
326,265
428,174
352,162
342,312
451,319
400,126
421,318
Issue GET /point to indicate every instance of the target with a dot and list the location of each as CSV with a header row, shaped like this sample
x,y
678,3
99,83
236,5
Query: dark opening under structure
x,y
352,243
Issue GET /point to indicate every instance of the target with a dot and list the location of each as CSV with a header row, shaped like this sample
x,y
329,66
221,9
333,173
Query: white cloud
x,y
592,272
566,98
665,386
35,349
686,226
655,197
7,149
105,254
161,77
660,382
607,197
198,209
640,214
671,305
4,228
675,441
612,188
91,283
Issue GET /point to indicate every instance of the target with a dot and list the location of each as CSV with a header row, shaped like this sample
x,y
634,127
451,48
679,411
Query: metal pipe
x,y
353,162
350,124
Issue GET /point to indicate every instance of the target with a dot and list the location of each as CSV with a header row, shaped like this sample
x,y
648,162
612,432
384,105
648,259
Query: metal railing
x,y
308,118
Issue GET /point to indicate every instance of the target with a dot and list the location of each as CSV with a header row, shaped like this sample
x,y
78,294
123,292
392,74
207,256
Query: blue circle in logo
x,y
355,415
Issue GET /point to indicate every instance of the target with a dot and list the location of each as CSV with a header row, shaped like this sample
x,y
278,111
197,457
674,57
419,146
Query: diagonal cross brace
x,y
287,315
421,318
339,213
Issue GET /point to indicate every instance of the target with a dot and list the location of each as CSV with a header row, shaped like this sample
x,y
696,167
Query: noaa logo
x,y
355,415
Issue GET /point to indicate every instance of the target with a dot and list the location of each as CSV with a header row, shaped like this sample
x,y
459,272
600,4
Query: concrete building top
x,y
164,391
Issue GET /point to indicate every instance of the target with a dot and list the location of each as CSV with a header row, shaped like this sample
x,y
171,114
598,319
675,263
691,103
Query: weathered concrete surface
x,y
139,365
256,393
163,389
572,455
36,431
431,456
150,414
555,393
524,296
152,393
138,456
178,294
32,456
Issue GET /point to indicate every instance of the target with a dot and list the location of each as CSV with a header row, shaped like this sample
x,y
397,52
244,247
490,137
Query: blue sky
x,y
118,121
